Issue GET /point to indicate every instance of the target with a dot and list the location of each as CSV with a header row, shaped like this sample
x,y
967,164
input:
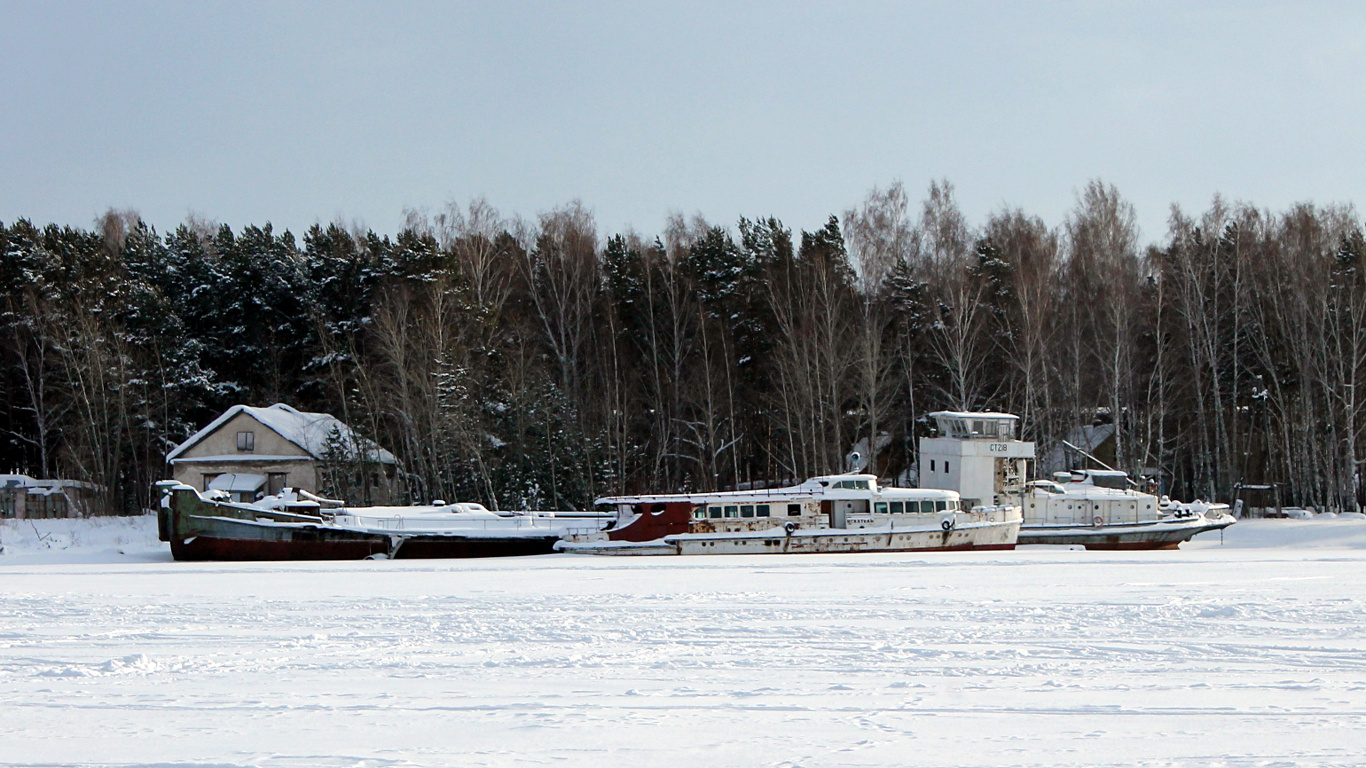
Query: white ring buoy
x,y
1097,521
789,527
947,525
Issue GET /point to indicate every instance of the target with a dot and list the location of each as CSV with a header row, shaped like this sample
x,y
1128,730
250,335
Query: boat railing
x,y
404,523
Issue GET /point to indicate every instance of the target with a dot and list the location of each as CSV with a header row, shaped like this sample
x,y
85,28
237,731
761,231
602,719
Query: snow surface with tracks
x,y
1249,652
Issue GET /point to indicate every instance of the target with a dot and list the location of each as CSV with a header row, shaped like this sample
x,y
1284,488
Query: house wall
x,y
223,442
300,473
217,454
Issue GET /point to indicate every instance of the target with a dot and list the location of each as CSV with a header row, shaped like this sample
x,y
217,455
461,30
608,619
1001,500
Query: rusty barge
x,y
296,526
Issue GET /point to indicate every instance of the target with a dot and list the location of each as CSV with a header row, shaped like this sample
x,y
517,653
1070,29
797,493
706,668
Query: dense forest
x,y
536,363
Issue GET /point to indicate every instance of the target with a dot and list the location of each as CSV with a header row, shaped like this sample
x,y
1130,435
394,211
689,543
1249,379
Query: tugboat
x,y
833,513
297,525
977,455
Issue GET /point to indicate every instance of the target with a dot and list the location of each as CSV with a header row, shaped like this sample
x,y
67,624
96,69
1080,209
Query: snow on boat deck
x,y
1238,655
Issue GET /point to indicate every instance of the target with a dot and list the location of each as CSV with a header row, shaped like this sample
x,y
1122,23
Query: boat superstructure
x,y
833,513
978,455
299,526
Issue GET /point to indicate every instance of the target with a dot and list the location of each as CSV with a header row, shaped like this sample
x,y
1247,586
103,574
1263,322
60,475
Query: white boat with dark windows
x,y
977,455
834,513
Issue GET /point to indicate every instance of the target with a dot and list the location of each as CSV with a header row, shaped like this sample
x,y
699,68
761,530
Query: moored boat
x,y
977,455
835,513
300,526
1098,510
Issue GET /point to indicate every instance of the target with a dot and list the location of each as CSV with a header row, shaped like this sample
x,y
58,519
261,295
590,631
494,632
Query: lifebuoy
x,y
789,527
947,525
1097,521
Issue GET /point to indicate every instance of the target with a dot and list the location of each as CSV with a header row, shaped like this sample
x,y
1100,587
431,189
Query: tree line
x,y
538,363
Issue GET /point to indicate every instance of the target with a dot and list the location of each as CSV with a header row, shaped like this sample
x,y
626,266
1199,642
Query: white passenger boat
x,y
835,513
977,455
1099,509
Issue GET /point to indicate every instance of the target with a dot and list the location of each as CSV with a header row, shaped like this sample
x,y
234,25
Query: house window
x,y
946,467
208,478
931,465
246,441
276,482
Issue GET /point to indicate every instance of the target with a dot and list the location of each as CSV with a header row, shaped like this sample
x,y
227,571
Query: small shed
x,y
24,497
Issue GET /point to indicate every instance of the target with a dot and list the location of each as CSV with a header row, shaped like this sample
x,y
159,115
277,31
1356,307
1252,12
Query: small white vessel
x,y
977,455
1099,509
834,513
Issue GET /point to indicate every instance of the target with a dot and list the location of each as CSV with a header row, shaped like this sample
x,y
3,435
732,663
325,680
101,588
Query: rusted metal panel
x,y
655,521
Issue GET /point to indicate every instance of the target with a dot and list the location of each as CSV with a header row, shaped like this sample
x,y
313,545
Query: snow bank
x,y
89,540
1320,532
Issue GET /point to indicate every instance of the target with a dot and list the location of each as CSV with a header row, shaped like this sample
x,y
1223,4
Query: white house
x,y
251,452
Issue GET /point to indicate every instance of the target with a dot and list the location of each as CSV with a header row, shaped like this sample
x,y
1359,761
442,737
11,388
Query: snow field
x,y
1234,655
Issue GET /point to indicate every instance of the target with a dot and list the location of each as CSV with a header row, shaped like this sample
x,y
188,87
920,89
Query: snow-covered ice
x,y
1240,654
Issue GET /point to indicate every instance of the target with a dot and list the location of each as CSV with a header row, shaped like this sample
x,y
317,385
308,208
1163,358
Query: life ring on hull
x,y
947,525
789,527
1098,521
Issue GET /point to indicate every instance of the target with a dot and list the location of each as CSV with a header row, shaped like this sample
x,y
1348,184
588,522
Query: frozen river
x,y
1235,655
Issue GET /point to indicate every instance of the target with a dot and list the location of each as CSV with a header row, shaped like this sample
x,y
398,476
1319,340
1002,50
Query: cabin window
x,y
714,512
700,513
880,507
793,510
246,441
862,485
761,510
941,506
897,507
746,510
732,510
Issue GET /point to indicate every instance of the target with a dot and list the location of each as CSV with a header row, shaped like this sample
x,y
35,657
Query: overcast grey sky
x,y
299,113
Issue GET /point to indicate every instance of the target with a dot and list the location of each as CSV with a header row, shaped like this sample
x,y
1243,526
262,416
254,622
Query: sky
x,y
300,113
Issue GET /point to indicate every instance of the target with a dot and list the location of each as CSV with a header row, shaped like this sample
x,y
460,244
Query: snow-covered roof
x,y
309,431
973,415
43,486
234,481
